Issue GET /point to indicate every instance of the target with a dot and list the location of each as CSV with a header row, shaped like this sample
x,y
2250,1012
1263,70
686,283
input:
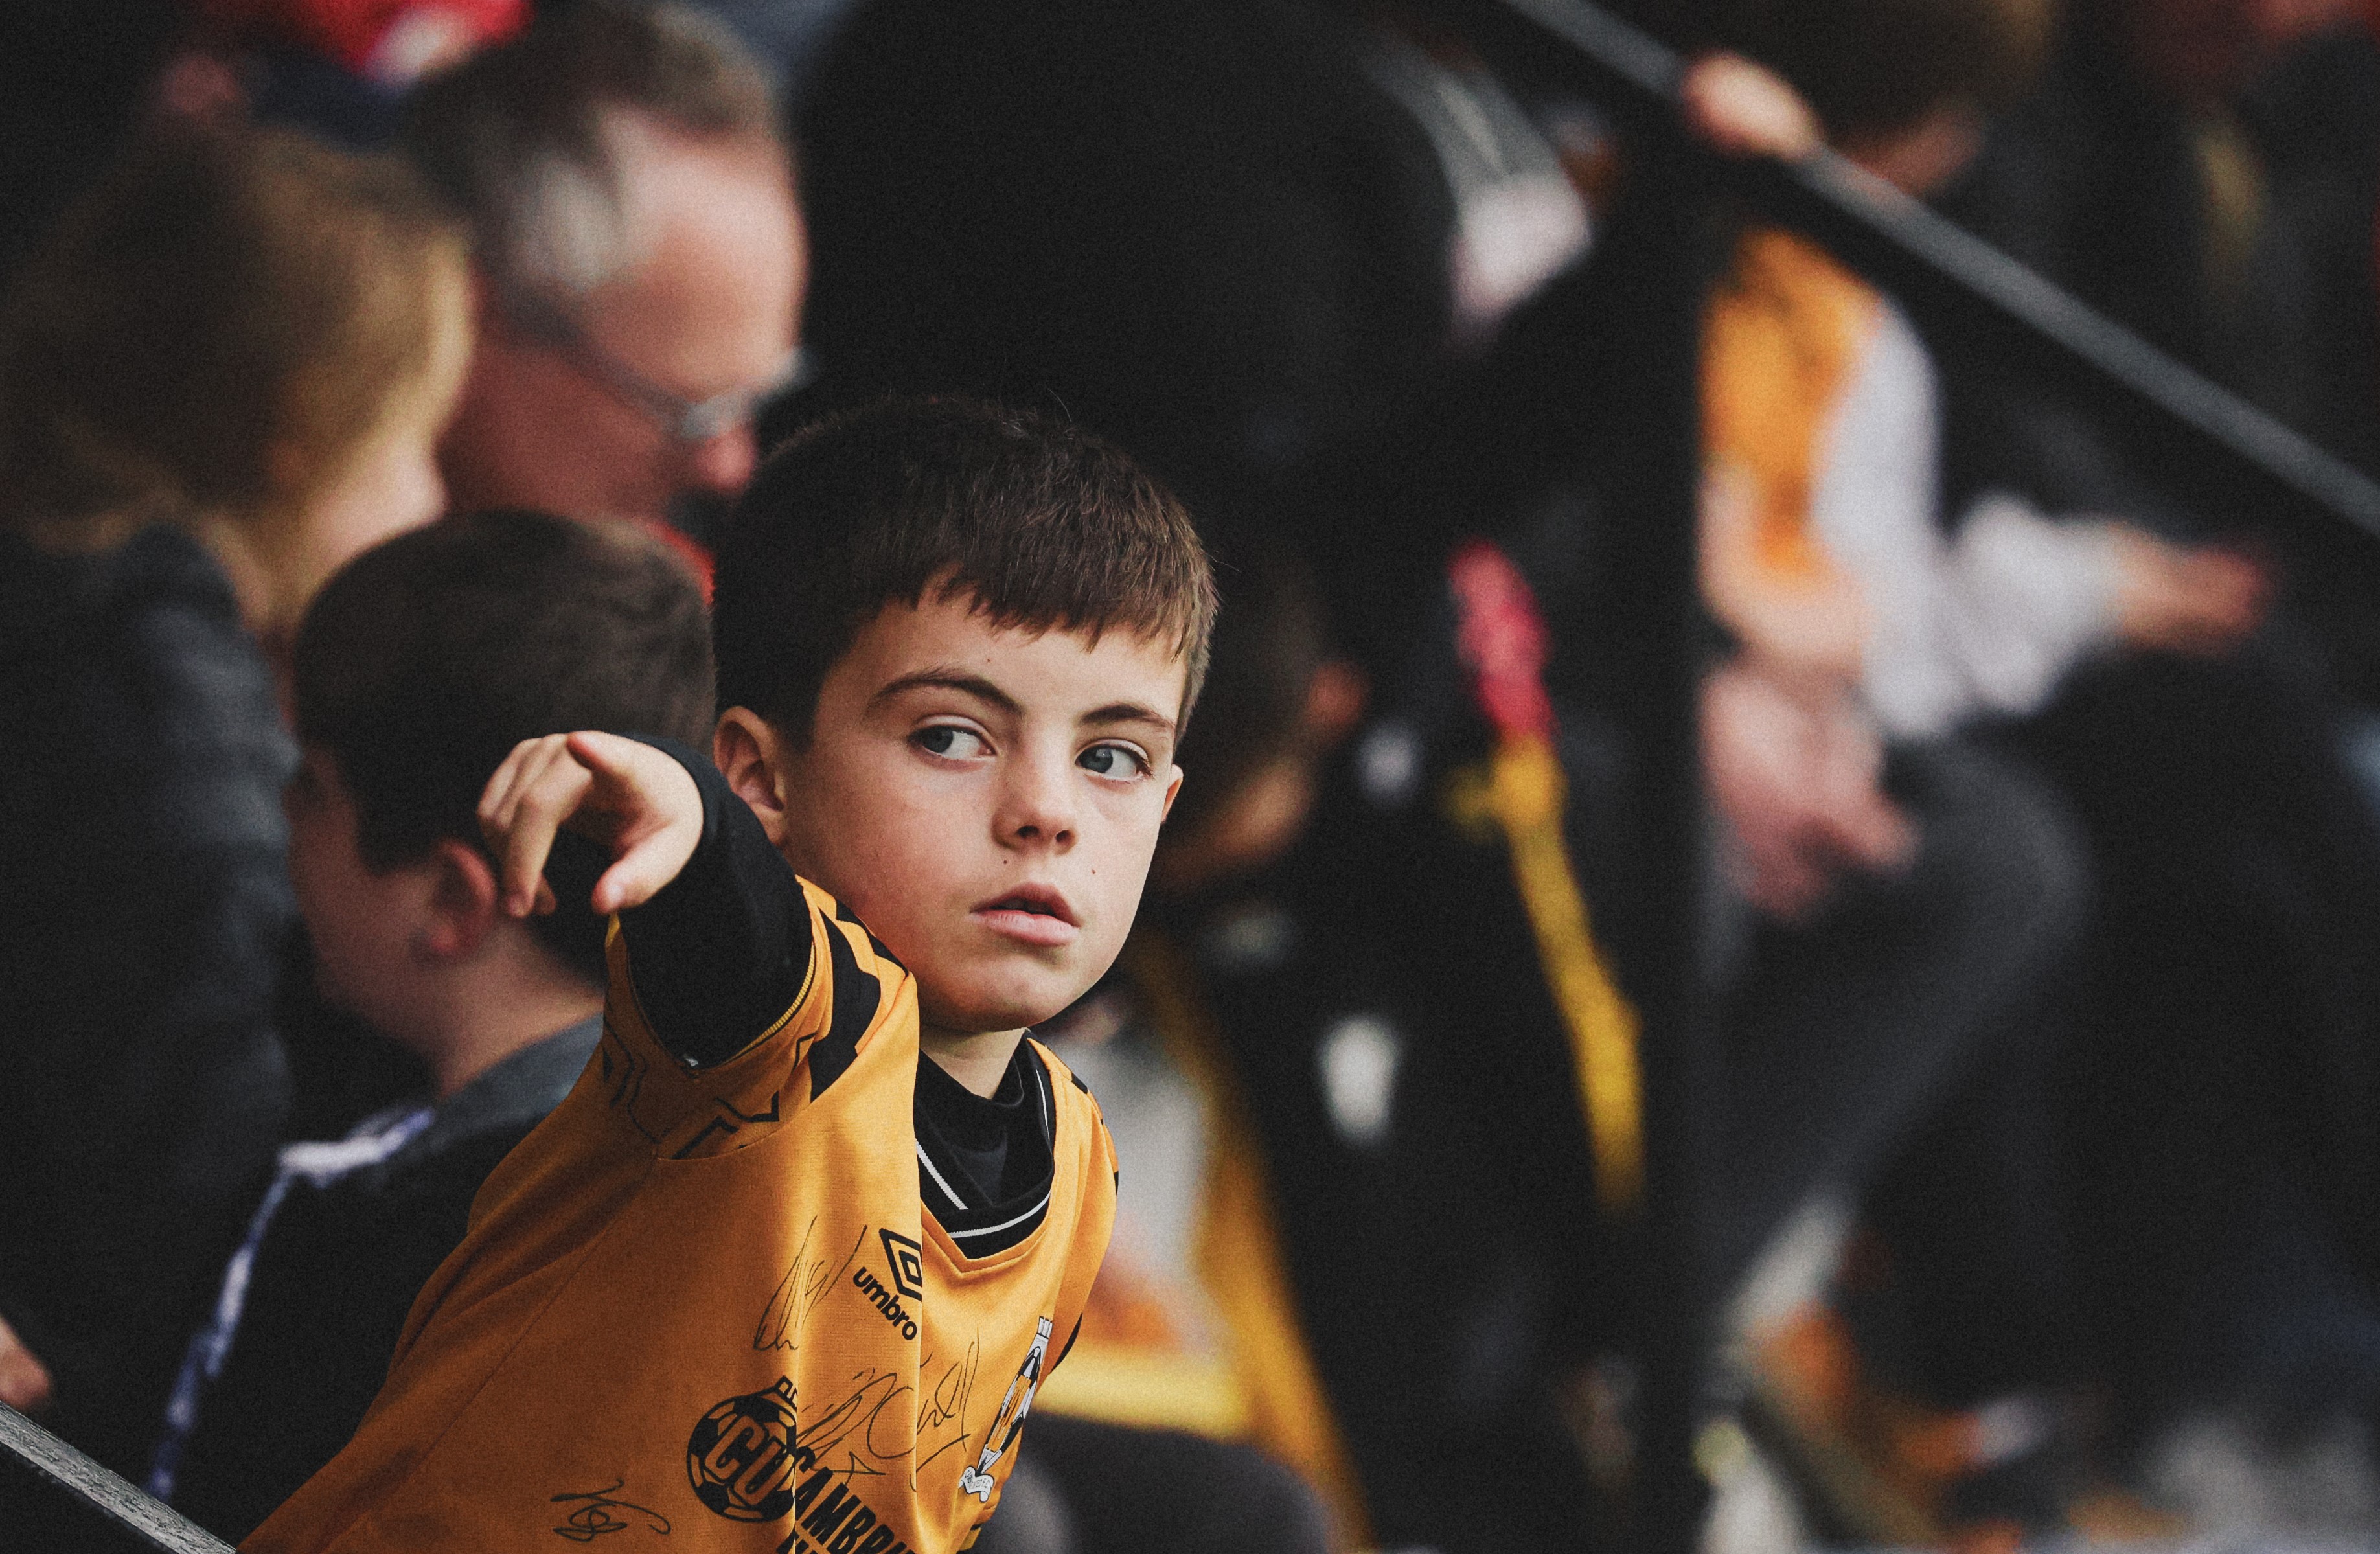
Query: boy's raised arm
x,y
717,931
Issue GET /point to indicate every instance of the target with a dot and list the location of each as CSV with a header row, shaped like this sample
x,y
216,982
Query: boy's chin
x,y
996,1009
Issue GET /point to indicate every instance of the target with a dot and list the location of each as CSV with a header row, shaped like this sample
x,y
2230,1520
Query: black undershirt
x,y
976,1130
719,954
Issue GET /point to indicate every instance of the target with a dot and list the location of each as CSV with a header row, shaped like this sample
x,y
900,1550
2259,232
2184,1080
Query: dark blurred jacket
x,y
333,1280
145,909
1377,994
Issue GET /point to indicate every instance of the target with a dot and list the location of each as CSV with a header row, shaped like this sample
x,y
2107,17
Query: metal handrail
x,y
1907,247
64,1475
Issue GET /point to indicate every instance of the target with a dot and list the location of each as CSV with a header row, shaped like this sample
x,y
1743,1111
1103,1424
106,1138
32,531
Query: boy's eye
x,y
948,740
1113,761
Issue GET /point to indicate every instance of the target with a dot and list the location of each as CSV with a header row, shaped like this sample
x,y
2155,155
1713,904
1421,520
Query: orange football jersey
x,y
705,1307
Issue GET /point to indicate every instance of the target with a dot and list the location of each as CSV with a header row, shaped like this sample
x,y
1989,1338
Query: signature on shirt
x,y
871,1428
594,1515
804,1284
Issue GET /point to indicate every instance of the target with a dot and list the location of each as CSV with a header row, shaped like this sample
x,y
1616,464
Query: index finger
x,y
496,798
545,791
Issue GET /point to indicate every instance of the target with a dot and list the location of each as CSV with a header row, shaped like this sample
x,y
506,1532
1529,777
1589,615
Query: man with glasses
x,y
641,263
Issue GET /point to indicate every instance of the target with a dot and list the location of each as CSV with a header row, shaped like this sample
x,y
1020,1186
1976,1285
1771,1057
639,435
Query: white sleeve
x,y
1988,623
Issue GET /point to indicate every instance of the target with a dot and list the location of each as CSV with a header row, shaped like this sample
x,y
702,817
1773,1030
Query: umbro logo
x,y
908,1272
904,1258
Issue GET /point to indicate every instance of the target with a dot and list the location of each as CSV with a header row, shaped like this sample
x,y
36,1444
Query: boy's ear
x,y
462,901
1172,787
752,757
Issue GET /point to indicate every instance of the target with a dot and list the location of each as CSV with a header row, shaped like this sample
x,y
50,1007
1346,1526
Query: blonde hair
x,y
213,329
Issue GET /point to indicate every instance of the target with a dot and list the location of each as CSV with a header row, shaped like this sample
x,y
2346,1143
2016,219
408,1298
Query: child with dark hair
x,y
787,1267
418,667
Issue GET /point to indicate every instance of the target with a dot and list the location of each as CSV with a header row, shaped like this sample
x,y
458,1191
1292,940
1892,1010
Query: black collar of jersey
x,y
987,1218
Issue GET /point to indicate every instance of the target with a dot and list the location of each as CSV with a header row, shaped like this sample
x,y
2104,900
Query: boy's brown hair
x,y
1879,67
425,660
221,301
1043,524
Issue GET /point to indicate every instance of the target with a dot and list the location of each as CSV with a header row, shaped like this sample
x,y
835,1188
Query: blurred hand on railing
x,y
1795,770
24,1380
1744,109
2185,599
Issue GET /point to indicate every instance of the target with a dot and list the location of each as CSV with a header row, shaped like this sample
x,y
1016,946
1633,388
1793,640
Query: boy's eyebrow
x,y
1129,712
948,680
976,686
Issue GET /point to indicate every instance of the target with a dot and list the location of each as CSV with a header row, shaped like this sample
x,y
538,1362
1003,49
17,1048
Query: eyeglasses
x,y
689,422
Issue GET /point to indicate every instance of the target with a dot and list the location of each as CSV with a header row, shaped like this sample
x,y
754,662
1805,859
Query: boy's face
x,y
986,801
362,923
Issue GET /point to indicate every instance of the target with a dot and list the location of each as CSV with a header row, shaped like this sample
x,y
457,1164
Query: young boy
x,y
421,662
766,1280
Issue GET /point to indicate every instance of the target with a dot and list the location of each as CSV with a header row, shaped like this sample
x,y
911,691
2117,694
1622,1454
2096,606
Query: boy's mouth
x,y
1034,914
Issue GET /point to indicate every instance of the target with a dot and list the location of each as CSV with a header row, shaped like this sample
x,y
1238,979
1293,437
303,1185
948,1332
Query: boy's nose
x,y
1038,805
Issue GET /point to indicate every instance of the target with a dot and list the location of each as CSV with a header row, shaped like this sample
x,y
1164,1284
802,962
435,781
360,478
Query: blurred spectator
x,y
641,261
1886,939
222,376
1856,638
1357,1227
1824,553
2203,172
1194,1339
2162,756
1830,564
418,668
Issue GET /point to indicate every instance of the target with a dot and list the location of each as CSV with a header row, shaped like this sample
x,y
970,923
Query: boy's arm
x,y
717,930
719,956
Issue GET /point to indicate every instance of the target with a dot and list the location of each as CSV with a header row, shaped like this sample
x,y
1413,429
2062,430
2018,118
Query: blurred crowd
x,y
375,376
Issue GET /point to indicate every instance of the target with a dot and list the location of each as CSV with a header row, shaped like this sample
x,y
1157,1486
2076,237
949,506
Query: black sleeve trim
x,y
720,954
1066,1351
857,995
845,915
